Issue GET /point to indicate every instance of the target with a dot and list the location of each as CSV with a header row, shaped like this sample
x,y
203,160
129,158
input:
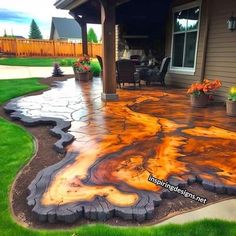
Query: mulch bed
x,y
46,156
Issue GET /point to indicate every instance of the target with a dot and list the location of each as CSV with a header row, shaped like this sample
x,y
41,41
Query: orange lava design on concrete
x,y
148,131
123,127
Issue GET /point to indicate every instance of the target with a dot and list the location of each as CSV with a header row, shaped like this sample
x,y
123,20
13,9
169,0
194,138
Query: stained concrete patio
x,y
116,146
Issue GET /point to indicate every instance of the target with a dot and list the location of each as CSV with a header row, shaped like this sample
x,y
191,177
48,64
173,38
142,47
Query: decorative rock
x,y
231,190
124,213
139,214
208,185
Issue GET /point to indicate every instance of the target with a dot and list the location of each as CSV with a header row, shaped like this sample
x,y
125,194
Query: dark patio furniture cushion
x,y
126,72
136,59
155,75
100,61
143,73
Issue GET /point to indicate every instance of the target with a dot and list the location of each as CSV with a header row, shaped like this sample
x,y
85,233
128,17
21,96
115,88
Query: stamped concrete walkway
x,y
19,72
225,210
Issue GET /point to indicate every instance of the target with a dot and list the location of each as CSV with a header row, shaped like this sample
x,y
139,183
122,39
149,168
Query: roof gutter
x,y
68,4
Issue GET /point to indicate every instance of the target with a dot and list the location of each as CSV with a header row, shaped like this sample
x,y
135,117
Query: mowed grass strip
x,y
18,61
17,87
48,62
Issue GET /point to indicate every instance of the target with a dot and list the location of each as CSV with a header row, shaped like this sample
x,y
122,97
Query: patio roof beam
x,y
69,4
83,24
108,18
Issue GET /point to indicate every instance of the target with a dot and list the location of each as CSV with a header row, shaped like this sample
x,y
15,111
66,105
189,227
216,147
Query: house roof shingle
x,y
66,28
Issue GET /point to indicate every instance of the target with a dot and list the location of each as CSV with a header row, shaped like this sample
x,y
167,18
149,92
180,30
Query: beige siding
x,y
221,50
221,47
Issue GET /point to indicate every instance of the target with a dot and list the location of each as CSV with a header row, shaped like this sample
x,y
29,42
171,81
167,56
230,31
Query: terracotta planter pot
x,y
82,76
230,108
199,101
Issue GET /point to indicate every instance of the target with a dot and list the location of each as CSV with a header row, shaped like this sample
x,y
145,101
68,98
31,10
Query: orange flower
x,y
205,87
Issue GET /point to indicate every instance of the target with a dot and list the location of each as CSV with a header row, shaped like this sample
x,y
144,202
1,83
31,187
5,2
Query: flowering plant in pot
x,y
200,92
231,102
82,68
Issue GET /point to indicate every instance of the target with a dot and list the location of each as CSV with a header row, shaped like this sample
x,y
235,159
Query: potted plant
x,y
200,92
82,69
231,102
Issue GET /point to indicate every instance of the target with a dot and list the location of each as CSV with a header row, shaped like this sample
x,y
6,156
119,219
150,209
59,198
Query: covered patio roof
x,y
126,10
142,21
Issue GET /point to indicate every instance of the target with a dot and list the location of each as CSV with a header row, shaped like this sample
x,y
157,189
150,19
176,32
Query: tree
x,y
92,37
34,31
5,33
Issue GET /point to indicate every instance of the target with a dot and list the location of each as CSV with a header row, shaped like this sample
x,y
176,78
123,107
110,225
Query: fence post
x,y
91,49
74,50
1,45
16,47
54,50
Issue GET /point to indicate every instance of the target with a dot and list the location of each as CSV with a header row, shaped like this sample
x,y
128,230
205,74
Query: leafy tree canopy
x,y
92,37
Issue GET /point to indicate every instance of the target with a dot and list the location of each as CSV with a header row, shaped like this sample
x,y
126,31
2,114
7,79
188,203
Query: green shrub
x,y
63,62
95,68
70,61
66,62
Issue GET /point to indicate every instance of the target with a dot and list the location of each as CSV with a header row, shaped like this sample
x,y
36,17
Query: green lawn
x,y
16,149
47,62
15,61
16,87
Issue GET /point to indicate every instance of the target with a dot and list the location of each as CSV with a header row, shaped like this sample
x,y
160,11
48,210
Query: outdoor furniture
x,y
155,75
100,61
101,64
136,59
126,72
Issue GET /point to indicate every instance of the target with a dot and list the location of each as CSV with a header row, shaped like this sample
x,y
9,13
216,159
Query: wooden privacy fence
x,y
46,48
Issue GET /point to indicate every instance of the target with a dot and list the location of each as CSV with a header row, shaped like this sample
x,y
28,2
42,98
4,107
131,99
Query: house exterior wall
x,y
220,49
74,40
69,40
55,35
184,80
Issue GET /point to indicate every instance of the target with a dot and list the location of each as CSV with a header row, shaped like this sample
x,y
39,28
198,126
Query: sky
x,y
16,16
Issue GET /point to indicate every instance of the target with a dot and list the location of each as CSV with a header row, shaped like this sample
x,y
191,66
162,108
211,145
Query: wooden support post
x,y
84,38
108,50
83,25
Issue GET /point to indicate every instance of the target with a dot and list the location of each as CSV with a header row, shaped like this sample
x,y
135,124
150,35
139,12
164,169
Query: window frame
x,y
185,70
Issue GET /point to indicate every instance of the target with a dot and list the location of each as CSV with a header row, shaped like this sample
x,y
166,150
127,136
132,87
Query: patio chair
x,y
136,59
155,75
126,72
100,63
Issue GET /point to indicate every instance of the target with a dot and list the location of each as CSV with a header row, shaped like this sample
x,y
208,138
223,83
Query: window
x,y
184,38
